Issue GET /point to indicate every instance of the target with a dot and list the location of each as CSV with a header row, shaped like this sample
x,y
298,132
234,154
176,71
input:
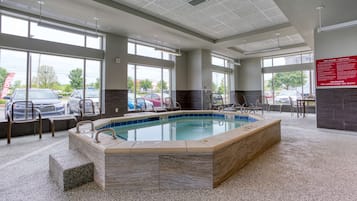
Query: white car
x,y
284,95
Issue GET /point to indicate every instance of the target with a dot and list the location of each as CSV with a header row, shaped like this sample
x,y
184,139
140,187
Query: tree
x,y
130,84
146,84
221,87
76,78
286,80
97,83
46,77
3,75
162,85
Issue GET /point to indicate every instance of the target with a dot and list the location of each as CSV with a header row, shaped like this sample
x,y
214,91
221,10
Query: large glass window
x,y
221,61
55,35
49,32
149,51
220,85
56,83
13,65
279,86
282,60
94,42
14,26
268,88
149,83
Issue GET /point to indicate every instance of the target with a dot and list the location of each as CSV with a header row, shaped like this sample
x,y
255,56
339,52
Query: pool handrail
x,y
96,140
84,122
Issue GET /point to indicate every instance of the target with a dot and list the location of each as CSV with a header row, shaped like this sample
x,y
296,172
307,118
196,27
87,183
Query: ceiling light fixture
x,y
168,51
41,3
338,26
334,26
319,9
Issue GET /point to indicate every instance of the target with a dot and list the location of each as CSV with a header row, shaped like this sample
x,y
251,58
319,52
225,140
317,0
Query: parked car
x,y
155,98
45,100
77,95
131,103
284,95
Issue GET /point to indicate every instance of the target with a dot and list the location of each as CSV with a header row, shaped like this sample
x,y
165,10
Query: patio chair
x,y
218,103
170,105
294,107
87,110
23,112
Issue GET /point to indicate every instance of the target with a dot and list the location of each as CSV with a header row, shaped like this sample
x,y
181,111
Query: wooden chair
x,y
87,110
23,112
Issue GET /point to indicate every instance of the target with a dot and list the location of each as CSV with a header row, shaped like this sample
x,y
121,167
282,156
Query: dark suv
x,y
44,100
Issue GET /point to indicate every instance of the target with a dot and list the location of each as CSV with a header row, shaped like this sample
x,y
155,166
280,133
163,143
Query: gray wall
x,y
194,70
116,73
179,77
336,107
249,75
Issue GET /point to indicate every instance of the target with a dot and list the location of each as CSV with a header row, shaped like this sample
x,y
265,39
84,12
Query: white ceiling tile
x,y
272,12
263,4
246,10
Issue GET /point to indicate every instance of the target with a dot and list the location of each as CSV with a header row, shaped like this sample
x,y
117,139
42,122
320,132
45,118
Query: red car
x,y
155,98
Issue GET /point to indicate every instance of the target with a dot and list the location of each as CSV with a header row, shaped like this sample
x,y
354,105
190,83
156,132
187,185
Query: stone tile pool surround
x,y
154,165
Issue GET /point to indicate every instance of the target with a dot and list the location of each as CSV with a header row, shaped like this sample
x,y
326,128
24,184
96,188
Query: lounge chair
x,y
87,110
218,103
23,112
170,105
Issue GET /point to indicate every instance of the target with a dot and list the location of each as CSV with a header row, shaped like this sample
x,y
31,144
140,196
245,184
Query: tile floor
x,y
308,164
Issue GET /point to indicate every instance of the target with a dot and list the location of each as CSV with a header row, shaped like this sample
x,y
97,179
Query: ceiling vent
x,y
196,2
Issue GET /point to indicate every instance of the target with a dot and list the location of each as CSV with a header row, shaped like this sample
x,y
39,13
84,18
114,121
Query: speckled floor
x,y
308,164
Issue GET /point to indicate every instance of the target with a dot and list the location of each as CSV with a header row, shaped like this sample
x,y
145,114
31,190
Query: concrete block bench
x,y
70,169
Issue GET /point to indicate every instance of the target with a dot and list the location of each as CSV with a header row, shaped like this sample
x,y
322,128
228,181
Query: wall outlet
x,y
116,109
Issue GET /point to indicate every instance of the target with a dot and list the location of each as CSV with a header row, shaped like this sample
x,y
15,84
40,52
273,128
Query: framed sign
x,y
337,72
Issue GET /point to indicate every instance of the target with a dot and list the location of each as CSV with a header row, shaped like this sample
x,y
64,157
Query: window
x,y
49,32
280,84
282,60
55,35
150,83
14,26
220,85
13,65
222,62
148,51
94,42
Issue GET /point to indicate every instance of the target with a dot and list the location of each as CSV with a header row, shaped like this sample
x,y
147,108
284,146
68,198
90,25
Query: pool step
x,y
70,169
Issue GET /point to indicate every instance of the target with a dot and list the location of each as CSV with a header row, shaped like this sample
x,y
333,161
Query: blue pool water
x,y
178,127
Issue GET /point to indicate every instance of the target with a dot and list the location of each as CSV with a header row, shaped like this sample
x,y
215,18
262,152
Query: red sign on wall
x,y
340,71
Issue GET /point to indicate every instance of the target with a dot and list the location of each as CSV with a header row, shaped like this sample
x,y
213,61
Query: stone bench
x,y
70,169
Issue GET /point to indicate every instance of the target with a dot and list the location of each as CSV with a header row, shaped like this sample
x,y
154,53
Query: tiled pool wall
x,y
116,123
154,165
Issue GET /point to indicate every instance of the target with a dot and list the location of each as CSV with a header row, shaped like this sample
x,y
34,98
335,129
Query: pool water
x,y
180,128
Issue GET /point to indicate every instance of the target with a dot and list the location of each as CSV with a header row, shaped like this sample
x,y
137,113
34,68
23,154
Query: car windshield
x,y
35,94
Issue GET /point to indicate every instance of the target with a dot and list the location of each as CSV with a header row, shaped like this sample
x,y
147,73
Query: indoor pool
x,y
196,149
178,128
